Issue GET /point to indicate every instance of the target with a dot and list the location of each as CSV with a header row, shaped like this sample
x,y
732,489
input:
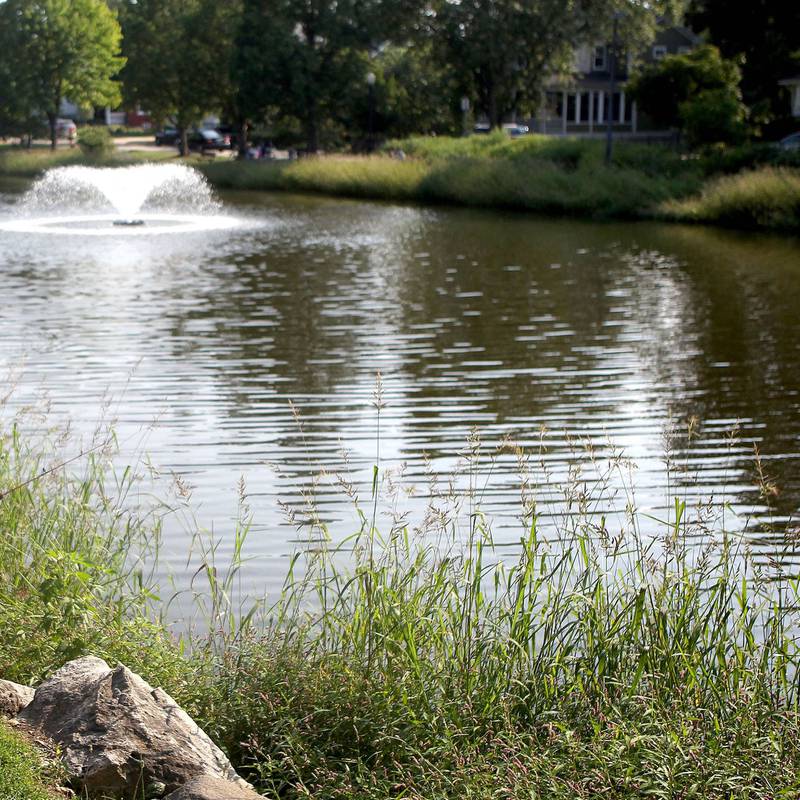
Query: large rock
x,y
118,734
14,697
205,787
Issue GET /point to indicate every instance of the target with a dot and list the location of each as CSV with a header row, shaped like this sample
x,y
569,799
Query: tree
x,y
412,94
763,35
310,58
697,93
262,47
178,56
502,51
60,48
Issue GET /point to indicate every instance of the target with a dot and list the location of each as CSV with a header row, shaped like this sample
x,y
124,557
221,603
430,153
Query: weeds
x,y
764,198
608,653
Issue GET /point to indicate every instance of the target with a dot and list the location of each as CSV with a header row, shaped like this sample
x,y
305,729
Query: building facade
x,y
580,103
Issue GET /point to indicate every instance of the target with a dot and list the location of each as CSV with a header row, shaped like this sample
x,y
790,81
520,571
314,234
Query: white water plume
x,y
126,191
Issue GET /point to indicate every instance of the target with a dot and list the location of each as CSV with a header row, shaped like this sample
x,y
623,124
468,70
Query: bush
x,y
764,198
95,141
714,115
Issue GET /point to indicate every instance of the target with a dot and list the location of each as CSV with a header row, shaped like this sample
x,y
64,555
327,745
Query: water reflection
x,y
514,325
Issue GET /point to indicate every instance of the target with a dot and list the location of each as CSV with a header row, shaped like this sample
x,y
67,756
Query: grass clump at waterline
x,y
413,663
765,198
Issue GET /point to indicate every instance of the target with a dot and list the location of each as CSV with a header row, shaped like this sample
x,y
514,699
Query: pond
x,y
557,333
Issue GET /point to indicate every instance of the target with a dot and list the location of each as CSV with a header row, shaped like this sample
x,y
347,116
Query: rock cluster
x,y
121,737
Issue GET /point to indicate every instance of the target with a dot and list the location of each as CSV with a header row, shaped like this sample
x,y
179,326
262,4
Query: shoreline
x,y
655,185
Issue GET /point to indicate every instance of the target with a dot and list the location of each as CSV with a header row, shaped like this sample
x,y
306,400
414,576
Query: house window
x,y
659,51
683,50
599,59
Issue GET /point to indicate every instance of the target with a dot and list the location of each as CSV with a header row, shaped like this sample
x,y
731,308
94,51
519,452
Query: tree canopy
x,y
178,54
697,93
55,49
765,36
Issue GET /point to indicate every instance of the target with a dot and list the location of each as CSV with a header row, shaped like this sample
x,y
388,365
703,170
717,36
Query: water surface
x,y
554,331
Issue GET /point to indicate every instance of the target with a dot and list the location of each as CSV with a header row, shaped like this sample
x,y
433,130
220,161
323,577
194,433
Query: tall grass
x,y
525,184
616,655
764,198
23,776
18,162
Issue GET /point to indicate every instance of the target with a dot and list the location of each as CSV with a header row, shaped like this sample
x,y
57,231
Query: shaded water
x,y
504,322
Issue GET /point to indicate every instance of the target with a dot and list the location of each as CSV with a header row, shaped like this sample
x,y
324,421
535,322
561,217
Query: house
x,y
793,85
579,103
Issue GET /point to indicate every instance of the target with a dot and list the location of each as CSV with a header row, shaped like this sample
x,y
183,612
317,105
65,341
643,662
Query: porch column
x,y
601,105
590,115
633,116
578,107
563,112
622,106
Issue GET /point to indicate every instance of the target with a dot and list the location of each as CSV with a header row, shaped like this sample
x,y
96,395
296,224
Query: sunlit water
x,y
511,324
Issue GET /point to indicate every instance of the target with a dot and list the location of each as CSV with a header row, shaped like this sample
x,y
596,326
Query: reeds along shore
x,y
616,656
756,186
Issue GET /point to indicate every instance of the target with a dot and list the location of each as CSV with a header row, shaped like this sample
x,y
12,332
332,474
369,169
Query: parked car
x,y
231,133
482,127
167,136
514,130
66,129
208,140
791,142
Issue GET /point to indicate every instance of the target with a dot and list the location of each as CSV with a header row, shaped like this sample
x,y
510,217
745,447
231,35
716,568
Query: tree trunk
x,y
183,141
51,119
494,117
312,134
241,131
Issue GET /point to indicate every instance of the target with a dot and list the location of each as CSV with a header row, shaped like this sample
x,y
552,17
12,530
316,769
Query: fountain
x,y
96,201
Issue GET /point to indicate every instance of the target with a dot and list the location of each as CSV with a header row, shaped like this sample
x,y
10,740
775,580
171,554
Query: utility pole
x,y
371,112
612,84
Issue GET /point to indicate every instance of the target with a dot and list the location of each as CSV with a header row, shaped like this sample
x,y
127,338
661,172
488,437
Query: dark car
x,y
208,140
791,142
167,136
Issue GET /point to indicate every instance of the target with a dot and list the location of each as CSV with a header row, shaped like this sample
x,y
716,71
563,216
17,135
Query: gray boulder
x,y
118,734
13,697
205,787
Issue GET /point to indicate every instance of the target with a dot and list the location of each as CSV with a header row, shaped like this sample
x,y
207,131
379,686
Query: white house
x,y
793,85
580,102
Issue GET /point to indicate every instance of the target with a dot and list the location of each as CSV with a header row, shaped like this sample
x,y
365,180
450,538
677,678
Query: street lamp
x,y
371,111
612,87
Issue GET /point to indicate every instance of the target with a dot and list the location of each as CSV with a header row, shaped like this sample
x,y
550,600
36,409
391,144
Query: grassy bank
x,y
754,186
622,662
21,163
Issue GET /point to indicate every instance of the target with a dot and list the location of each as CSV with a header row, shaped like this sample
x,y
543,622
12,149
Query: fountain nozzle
x,y
128,222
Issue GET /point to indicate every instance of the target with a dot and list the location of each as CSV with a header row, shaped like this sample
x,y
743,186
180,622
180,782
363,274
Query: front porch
x,y
585,111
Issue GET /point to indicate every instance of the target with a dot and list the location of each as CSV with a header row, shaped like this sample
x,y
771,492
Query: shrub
x,y
763,198
95,141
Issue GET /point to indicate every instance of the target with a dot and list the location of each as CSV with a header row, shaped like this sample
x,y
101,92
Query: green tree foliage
x,y
414,94
765,34
55,49
178,55
697,93
501,51
307,56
